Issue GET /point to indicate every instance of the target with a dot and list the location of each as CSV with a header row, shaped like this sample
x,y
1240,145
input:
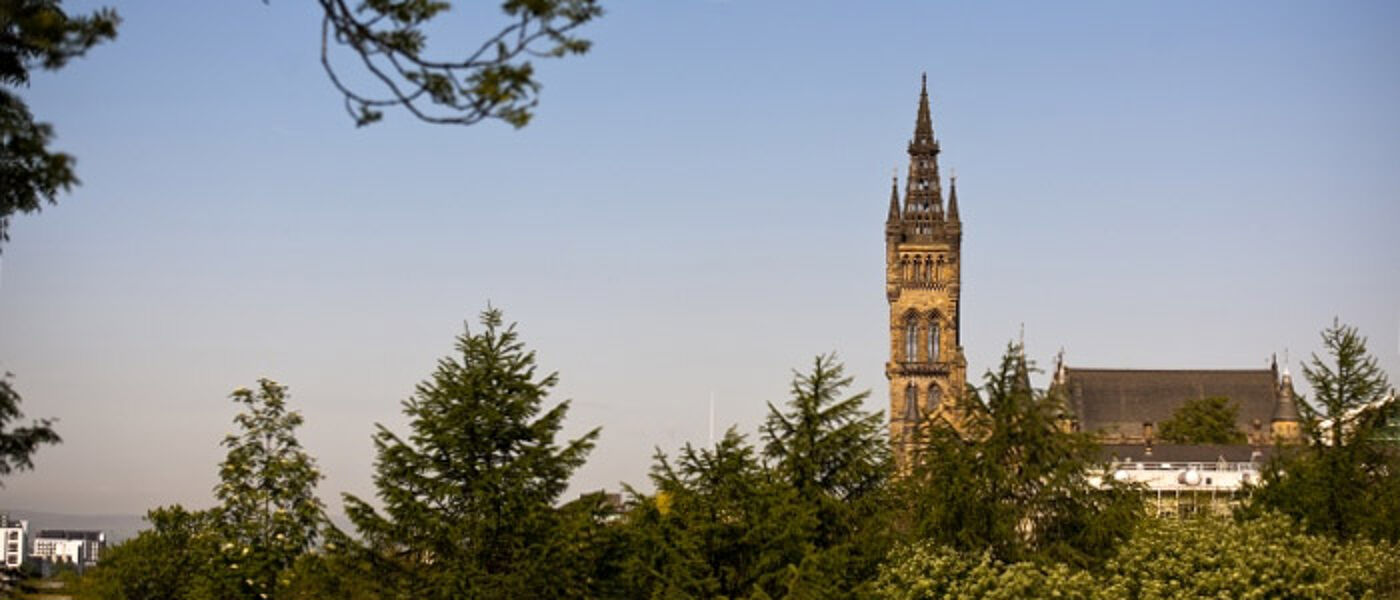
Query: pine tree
x,y
269,513
1345,482
721,525
1014,483
469,496
826,444
835,456
1345,387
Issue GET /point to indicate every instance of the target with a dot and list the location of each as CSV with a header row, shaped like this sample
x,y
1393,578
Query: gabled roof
x,y
1122,400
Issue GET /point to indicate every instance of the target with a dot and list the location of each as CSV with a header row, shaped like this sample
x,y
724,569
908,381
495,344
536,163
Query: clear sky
x,y
697,209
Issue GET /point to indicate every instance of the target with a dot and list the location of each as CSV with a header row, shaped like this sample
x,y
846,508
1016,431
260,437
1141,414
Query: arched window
x,y
911,404
935,396
938,270
911,339
933,338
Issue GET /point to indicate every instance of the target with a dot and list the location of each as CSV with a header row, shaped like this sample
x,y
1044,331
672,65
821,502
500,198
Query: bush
x,y
1266,558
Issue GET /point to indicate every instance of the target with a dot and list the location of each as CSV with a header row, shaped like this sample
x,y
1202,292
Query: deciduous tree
x,y
18,444
169,560
37,34
1204,421
269,513
491,78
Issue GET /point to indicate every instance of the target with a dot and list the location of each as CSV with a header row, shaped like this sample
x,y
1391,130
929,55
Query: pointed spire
x,y
894,198
923,126
923,196
953,198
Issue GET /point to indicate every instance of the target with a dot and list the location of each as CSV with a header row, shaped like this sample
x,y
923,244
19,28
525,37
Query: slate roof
x,y
1171,453
1120,401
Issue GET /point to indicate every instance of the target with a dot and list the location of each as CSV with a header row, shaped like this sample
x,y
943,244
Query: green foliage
x,y
836,457
720,525
1018,486
1352,487
37,34
18,444
469,497
169,560
811,522
496,80
1350,382
928,571
1204,421
270,513
1165,559
827,445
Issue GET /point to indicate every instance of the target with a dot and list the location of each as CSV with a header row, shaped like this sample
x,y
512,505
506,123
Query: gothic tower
x,y
923,274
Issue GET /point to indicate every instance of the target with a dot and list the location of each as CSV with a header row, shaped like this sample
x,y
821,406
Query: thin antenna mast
x,y
712,419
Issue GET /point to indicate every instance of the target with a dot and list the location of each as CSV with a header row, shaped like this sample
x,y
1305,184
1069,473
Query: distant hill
x,y
117,527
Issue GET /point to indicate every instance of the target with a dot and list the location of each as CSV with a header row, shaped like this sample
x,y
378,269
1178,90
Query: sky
x,y
696,210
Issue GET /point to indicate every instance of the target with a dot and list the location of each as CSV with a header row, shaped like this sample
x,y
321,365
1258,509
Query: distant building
x,y
1128,406
68,546
1125,408
1184,480
14,538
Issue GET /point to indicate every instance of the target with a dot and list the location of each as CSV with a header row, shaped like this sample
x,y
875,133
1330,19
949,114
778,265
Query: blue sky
x,y
697,209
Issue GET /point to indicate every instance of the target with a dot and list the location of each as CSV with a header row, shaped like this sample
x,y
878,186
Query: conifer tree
x,y
1352,381
1345,482
721,525
1014,483
825,444
269,513
469,495
835,456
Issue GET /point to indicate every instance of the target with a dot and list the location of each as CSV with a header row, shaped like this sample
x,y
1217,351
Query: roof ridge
x,y
1199,370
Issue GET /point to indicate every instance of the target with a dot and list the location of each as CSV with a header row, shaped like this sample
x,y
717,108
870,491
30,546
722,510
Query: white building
x,y
1188,480
81,548
14,540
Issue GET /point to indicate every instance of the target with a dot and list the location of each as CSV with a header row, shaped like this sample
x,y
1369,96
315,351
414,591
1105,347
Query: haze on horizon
x,y
696,210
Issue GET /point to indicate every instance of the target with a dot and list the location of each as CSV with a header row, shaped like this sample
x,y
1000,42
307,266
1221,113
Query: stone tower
x,y
923,274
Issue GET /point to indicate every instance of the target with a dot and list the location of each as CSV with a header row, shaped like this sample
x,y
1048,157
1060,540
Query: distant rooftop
x,y
70,534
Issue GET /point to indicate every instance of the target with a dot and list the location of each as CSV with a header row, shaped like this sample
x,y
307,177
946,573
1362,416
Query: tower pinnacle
x,y
894,198
953,198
